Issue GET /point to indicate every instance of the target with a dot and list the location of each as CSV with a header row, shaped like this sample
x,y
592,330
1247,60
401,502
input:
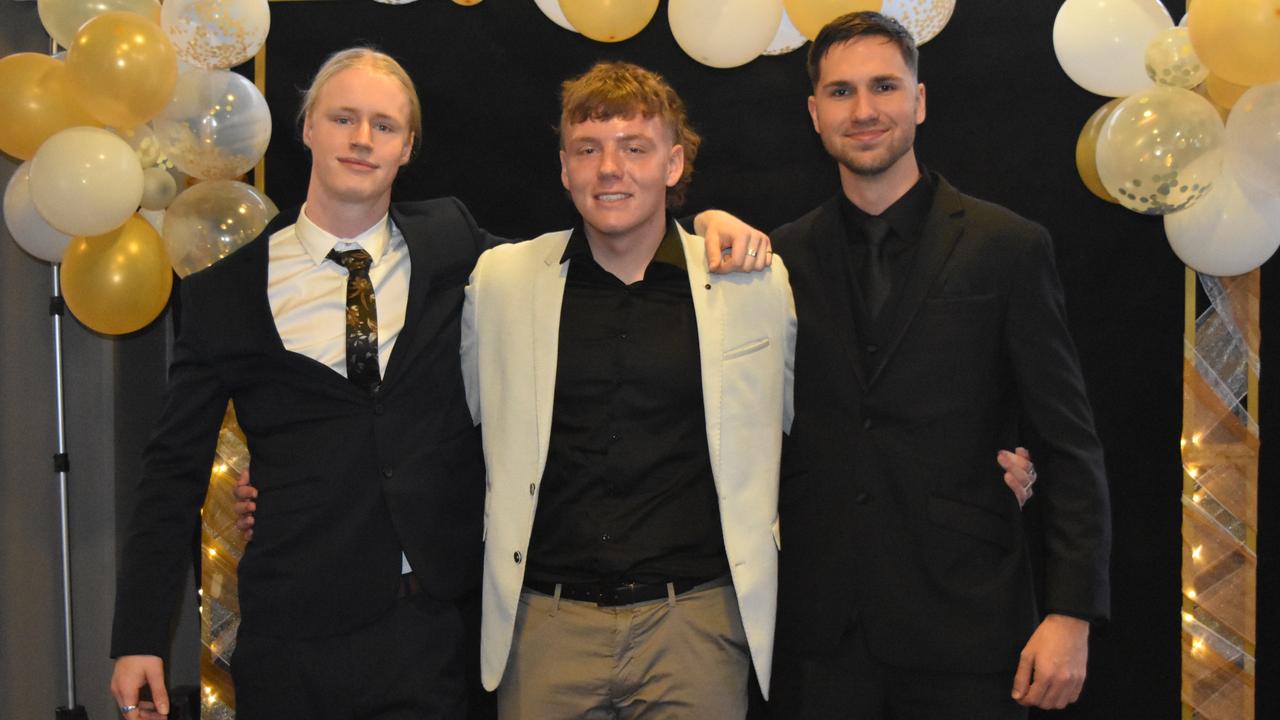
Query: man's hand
x,y
245,505
1019,473
748,249
1051,668
132,673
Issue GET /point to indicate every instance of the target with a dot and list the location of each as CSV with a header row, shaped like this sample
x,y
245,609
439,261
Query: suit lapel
x,y
942,228
828,233
417,239
708,310
547,297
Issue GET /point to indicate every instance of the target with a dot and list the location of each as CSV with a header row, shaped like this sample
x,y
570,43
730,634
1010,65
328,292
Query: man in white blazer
x,y
632,429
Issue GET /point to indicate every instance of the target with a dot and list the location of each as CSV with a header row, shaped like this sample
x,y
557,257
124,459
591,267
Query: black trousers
x,y
850,683
409,665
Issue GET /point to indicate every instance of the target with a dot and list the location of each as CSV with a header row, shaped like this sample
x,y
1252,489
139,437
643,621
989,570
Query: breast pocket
x,y
746,348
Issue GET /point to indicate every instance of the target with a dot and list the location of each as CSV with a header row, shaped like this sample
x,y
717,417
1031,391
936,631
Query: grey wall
x,y
113,389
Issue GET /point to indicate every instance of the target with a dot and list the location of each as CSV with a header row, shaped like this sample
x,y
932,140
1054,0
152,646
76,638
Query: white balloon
x,y
1230,231
158,188
86,181
28,228
216,33
923,18
1253,137
787,38
1101,44
551,8
217,126
724,33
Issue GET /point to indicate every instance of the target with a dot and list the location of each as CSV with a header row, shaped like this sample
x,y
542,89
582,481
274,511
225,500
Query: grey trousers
x,y
681,657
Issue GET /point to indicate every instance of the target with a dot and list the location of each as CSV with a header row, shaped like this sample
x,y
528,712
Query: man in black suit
x,y
931,330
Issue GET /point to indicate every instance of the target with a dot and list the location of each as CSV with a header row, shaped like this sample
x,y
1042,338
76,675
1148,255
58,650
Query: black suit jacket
x,y
894,513
347,479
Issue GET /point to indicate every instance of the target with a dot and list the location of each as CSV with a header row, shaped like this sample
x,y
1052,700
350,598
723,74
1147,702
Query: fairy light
x,y
1195,552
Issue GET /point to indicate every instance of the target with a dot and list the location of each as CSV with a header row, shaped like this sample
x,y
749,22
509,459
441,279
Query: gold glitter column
x,y
1220,497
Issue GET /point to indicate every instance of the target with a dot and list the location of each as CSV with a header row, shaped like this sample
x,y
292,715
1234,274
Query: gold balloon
x,y
1239,40
1087,150
1223,93
123,68
466,2
809,16
35,103
609,20
117,282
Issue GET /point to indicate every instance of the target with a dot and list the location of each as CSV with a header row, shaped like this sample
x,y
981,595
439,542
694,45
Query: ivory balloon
x,y
86,181
1087,150
1101,44
35,103
217,126
1229,232
924,18
122,68
1161,150
216,33
1170,60
211,220
787,38
28,228
1238,39
158,188
810,15
609,20
62,18
724,33
1253,138
119,281
551,8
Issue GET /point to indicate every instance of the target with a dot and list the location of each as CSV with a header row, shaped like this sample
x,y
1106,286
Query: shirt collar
x,y
670,250
906,215
318,242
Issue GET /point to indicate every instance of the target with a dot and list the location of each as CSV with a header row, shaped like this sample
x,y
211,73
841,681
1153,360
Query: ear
x,y
675,165
407,151
813,113
564,171
919,103
306,130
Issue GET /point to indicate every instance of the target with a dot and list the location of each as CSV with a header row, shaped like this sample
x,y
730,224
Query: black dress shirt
x,y
906,218
627,493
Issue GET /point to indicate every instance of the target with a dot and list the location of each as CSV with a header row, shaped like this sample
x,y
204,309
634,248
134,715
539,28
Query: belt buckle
x,y
614,595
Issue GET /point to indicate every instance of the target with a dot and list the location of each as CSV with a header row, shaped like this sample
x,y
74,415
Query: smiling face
x,y
617,170
359,135
865,105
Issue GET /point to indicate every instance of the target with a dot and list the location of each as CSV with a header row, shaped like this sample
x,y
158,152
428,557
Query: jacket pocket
x,y
746,348
970,520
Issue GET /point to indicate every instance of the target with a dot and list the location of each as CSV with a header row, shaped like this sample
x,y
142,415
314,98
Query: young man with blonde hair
x,y
343,365
632,407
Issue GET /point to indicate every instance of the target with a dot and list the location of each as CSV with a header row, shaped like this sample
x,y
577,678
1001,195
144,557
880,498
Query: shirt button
x,y
379,408
517,557
386,472
532,488
866,424
613,437
873,349
862,498
605,537
622,336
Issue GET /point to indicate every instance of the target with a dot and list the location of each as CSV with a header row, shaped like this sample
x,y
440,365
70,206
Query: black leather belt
x,y
612,594
409,585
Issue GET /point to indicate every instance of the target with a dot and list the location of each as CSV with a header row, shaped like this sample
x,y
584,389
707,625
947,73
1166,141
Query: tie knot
x,y
354,261
877,230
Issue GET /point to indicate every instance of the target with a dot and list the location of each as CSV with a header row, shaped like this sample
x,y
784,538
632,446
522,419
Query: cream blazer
x,y
510,339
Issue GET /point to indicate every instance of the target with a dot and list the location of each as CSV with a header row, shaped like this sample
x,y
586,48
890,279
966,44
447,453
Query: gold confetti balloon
x,y
217,127
210,220
216,33
923,18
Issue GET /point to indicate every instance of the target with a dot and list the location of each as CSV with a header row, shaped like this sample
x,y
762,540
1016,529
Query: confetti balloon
x,y
787,39
216,33
217,127
924,18
211,220
1172,61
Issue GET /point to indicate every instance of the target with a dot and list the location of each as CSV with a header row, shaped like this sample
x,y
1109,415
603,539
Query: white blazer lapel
x,y
708,309
544,310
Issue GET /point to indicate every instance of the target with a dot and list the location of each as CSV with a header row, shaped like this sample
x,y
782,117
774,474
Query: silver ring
x,y
1031,477
751,252
126,709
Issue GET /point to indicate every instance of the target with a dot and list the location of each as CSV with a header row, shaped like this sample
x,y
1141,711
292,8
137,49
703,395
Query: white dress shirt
x,y
308,294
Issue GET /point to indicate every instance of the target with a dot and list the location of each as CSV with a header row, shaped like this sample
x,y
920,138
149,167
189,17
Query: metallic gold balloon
x,y
122,68
1223,93
62,18
117,282
1238,39
609,20
35,103
810,15
1087,150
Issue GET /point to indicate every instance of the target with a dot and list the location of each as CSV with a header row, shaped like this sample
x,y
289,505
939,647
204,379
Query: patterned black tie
x,y
876,276
362,319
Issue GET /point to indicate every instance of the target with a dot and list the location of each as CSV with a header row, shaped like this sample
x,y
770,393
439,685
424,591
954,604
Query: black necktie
x,y
876,278
362,318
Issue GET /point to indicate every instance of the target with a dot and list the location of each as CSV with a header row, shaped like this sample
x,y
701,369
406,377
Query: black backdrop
x,y
1002,124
